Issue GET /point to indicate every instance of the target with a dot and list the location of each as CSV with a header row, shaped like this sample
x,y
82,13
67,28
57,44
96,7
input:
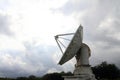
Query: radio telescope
x,y
81,52
73,47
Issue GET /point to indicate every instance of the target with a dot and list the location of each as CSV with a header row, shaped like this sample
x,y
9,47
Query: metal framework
x,y
59,42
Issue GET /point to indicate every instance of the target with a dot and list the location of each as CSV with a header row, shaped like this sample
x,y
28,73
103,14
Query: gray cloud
x,y
5,25
35,61
76,6
41,54
103,38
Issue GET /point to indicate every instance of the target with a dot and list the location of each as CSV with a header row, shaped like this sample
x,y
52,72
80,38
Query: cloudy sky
x,y
28,27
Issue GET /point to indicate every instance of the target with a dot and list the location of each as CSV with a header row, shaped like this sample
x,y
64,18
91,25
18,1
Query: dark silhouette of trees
x,y
107,71
22,78
56,76
6,79
66,74
101,71
31,77
53,76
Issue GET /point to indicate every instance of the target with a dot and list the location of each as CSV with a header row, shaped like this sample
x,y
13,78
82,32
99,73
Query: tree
x,y
105,70
56,76
22,78
66,74
32,77
53,76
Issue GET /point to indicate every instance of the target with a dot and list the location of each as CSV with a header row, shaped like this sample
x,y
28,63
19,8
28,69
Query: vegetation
x,y
103,71
106,71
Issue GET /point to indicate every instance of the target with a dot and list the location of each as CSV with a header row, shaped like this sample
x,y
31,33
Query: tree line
x,y
102,71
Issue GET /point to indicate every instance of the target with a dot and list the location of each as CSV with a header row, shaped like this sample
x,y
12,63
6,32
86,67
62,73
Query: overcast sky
x,y
28,27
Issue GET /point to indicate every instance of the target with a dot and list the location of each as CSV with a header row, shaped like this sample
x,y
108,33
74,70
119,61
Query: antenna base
x,y
82,68
82,73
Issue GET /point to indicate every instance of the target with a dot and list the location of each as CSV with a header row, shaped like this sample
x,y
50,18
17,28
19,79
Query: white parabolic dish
x,y
73,47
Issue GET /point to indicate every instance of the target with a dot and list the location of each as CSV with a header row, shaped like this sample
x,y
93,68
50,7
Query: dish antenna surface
x,y
73,46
